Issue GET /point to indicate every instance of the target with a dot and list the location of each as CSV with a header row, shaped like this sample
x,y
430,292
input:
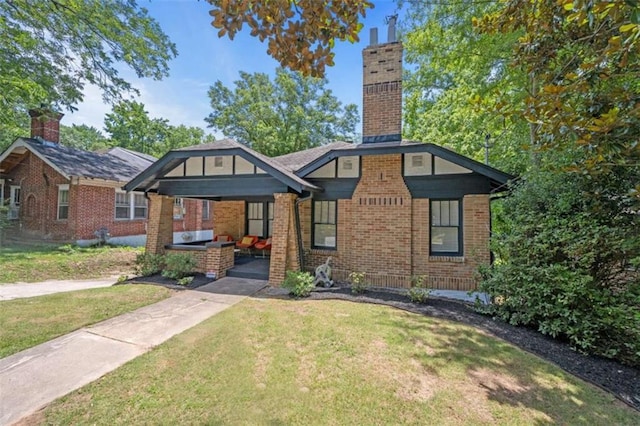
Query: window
x,y
205,210
417,161
218,162
140,206
446,238
324,224
123,205
255,219
259,223
178,208
129,206
63,202
14,202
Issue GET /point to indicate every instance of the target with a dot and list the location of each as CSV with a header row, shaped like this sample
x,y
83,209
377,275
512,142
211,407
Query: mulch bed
x,y
622,381
157,279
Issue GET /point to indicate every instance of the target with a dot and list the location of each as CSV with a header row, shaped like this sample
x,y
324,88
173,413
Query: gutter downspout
x,y
299,229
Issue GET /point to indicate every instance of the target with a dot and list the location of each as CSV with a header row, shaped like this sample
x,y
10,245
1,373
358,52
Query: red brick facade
x,y
45,124
91,207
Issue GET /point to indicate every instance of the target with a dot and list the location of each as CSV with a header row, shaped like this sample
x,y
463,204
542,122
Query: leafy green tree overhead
x,y
82,137
130,126
51,49
454,77
276,117
300,33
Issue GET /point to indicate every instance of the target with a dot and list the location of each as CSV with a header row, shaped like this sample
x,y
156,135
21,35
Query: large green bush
x,y
178,265
299,284
568,261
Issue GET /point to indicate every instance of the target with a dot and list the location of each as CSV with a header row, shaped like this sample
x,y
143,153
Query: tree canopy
x,y
51,49
83,137
279,116
130,126
300,33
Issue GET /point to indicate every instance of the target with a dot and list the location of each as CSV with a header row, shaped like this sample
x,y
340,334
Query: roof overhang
x,y
497,177
148,180
19,144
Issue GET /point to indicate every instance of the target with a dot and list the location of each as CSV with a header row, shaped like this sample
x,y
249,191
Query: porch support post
x,y
160,223
284,248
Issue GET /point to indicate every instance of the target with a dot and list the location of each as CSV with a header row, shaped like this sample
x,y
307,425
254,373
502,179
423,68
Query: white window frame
x,y
131,206
14,208
62,188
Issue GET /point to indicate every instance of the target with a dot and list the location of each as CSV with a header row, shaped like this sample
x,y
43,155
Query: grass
x,y
28,322
32,264
334,362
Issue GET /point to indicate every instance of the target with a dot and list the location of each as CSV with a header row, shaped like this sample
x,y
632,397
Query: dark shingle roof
x,y
297,160
77,162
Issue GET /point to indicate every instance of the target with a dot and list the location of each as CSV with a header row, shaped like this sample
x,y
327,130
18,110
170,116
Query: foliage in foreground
x,y
178,265
358,285
308,362
569,262
418,293
299,284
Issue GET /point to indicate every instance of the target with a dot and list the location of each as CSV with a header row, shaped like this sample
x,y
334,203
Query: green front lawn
x,y
32,264
25,323
334,362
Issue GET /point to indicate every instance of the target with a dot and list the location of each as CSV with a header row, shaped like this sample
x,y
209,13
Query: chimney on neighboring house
x,y
45,124
382,88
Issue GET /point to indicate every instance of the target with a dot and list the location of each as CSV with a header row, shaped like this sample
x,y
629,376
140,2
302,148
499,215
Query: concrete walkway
x,y
33,378
20,290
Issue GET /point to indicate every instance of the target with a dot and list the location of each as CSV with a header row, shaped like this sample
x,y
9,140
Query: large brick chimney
x,y
382,88
45,124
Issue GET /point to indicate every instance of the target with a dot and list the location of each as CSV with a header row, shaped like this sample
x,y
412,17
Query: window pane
x,y
324,236
63,212
444,239
63,196
444,213
331,207
122,212
270,210
270,228
454,213
205,209
435,213
140,213
255,227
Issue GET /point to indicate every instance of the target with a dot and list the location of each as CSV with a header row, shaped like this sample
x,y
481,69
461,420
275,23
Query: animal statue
x,y
323,274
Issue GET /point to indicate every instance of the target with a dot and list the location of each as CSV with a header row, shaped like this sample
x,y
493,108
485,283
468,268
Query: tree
x,y
300,33
82,137
288,114
582,60
454,77
130,126
50,49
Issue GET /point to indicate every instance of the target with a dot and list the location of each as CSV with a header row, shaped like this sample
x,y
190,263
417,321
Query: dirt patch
x,y
621,380
157,279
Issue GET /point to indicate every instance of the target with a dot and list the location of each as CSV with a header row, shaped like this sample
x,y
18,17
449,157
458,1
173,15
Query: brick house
x,y
389,208
62,194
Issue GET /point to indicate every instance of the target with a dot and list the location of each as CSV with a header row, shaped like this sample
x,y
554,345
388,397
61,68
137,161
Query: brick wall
x,y
382,90
160,226
45,124
284,249
228,218
219,259
383,232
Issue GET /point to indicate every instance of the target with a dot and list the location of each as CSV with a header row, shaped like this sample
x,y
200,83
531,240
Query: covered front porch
x,y
249,195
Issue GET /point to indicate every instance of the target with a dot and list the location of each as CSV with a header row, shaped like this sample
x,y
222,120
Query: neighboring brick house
x,y
389,208
62,194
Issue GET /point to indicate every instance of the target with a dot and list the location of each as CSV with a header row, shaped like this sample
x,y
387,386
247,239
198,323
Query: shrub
x,y
149,264
418,293
122,279
178,265
299,284
356,279
565,263
185,281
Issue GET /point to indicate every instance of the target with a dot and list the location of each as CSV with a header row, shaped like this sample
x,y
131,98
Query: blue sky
x,y
204,58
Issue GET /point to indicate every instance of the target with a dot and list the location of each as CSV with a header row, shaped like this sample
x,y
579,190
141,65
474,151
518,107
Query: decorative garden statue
x,y
323,274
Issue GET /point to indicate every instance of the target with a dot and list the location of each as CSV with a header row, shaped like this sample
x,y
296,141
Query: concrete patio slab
x,y
33,378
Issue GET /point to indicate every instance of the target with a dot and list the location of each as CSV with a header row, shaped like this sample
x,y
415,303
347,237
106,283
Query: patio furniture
x,y
222,238
263,245
247,242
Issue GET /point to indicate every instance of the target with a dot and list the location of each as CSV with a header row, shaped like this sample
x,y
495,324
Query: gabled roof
x,y
497,177
297,160
148,178
118,165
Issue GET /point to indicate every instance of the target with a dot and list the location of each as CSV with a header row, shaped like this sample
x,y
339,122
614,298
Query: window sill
x,y
323,250
446,258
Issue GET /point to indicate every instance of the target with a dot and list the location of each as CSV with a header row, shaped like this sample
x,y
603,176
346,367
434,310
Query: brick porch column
x,y
160,223
284,249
